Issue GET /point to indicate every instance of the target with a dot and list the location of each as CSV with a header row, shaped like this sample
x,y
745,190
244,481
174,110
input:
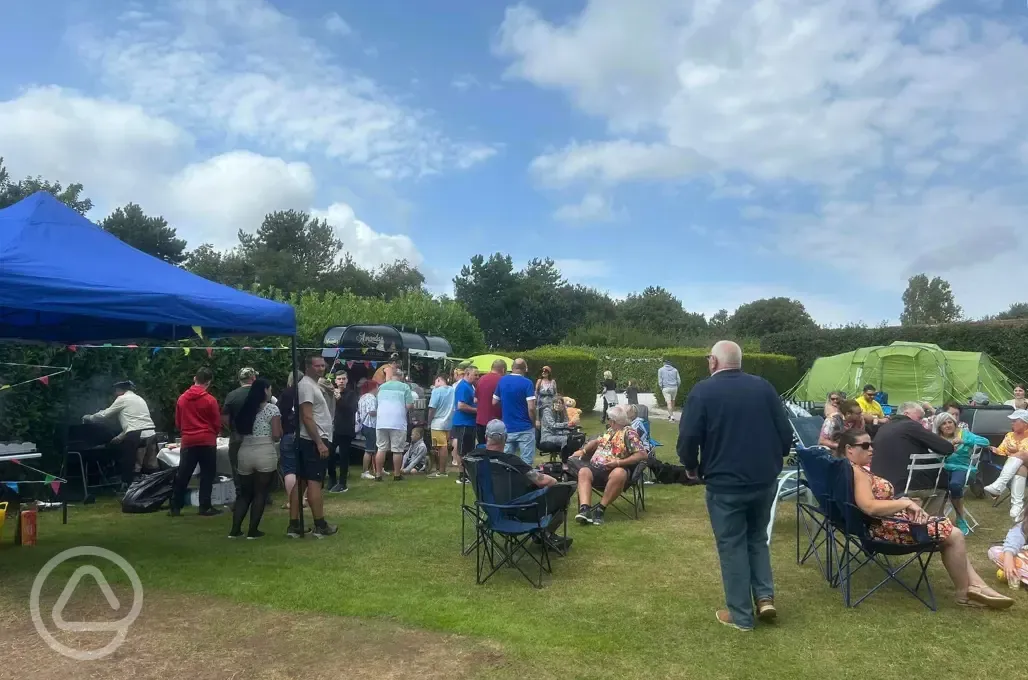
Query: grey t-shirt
x,y
308,392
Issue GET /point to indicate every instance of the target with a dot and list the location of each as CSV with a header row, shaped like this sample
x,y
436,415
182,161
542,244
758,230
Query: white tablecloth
x,y
169,455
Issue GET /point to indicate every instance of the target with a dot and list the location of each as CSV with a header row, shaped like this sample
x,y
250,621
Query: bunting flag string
x,y
199,331
48,478
45,379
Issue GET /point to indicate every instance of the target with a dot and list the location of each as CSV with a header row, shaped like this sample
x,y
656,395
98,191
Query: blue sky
x,y
819,149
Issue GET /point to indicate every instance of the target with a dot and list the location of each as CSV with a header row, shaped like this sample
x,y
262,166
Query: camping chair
x,y
860,548
813,514
972,472
926,463
508,528
633,495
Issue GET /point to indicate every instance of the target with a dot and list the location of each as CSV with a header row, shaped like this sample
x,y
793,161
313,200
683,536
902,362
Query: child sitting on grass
x,y
416,459
1012,556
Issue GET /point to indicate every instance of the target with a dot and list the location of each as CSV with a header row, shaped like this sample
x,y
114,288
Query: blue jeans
x,y
521,444
740,522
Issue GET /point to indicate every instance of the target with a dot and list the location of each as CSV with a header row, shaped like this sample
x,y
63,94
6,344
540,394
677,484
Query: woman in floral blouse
x,y
893,518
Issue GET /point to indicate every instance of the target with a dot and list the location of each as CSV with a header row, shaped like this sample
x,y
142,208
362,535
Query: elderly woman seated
x,y
606,463
893,517
958,463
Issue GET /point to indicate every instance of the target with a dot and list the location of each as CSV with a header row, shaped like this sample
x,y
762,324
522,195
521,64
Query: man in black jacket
x,y
735,434
902,437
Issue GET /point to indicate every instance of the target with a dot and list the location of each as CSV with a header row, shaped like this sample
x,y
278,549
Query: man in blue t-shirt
x,y
516,396
464,413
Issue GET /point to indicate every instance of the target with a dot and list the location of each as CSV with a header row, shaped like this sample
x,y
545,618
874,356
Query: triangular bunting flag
x,y
210,352
15,461
45,379
186,350
367,364
107,344
132,346
56,486
199,331
4,387
13,486
49,478
246,348
364,350
157,349
73,348
374,364
349,364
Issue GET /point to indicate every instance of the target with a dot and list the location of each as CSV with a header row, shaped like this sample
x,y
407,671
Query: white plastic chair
x,y
925,462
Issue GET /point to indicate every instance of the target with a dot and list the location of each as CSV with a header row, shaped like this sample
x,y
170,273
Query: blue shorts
x,y
287,454
369,439
957,478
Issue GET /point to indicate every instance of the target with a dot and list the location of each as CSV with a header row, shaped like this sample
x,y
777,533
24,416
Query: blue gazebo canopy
x,y
64,279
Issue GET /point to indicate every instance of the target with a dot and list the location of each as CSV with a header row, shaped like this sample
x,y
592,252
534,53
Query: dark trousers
x,y
480,434
127,449
234,442
207,458
339,452
739,521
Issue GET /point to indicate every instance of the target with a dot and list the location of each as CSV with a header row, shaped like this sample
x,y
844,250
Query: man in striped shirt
x,y
395,400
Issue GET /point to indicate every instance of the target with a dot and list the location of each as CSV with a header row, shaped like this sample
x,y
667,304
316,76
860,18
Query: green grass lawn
x,y
634,599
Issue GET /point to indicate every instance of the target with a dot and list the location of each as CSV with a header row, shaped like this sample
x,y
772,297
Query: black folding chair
x,y
632,498
860,548
508,528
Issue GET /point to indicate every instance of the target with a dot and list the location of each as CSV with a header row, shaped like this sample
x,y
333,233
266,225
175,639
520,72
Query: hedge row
x,y
1004,341
574,370
641,365
36,412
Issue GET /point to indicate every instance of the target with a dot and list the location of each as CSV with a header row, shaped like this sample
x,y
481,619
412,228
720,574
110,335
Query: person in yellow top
x,y
1015,448
873,412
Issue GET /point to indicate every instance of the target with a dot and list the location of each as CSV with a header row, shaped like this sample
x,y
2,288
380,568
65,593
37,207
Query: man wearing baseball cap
x,y
234,402
493,449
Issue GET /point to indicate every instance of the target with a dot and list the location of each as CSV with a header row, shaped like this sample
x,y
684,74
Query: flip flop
x,y
992,602
970,604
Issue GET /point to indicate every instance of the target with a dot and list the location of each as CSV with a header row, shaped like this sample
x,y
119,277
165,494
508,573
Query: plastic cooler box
x,y
223,493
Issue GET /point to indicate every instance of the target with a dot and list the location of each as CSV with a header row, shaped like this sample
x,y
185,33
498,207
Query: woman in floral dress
x,y
876,498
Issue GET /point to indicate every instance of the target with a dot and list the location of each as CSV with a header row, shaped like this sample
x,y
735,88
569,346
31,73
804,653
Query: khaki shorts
x,y
669,396
257,454
392,441
440,439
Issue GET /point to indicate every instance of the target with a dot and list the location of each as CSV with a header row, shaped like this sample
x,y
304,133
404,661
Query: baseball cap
x,y
247,373
1020,414
124,385
497,430
982,399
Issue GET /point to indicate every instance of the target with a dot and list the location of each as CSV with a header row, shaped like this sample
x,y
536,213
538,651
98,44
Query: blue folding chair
x,y
507,529
860,548
816,518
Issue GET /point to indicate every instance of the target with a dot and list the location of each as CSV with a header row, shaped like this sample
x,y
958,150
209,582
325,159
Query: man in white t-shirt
x,y
395,400
315,431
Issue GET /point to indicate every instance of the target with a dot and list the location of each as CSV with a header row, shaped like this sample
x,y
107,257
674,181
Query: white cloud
x,y
241,68
464,81
592,208
121,154
583,270
614,162
235,191
369,248
901,119
336,25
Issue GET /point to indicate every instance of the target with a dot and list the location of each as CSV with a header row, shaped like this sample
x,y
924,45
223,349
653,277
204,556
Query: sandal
x,y
994,601
970,604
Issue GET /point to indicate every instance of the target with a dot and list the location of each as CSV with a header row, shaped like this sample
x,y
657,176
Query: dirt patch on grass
x,y
199,638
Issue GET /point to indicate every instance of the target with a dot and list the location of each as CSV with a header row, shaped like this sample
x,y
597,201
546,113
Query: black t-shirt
x,y
504,457
346,412
632,393
234,402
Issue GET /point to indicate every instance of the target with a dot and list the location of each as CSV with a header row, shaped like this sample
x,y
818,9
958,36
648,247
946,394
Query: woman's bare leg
x,y
954,558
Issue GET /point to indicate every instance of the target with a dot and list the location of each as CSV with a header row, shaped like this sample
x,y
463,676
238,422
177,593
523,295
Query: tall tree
x,y
12,192
152,235
928,301
719,321
489,290
771,315
658,311
1018,310
542,316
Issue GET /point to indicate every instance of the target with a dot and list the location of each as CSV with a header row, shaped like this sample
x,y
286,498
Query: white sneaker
x,y
367,475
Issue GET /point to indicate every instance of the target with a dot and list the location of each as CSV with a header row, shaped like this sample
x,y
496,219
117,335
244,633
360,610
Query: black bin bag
x,y
150,492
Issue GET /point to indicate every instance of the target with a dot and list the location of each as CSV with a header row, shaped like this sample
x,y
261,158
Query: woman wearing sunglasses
x,y
832,404
876,498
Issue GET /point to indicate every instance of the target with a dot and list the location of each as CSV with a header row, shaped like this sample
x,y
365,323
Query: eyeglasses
x,y
834,400
864,445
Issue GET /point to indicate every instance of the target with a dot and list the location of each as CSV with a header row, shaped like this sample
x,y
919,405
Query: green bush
x,y
574,370
1003,341
36,412
641,366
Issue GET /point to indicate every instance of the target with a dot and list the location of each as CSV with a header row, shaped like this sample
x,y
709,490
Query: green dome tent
x,y
906,371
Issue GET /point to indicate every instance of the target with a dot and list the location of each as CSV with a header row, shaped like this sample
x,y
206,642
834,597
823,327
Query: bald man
x,y
735,434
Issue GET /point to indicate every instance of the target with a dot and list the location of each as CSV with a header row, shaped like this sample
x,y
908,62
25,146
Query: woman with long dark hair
x,y
260,423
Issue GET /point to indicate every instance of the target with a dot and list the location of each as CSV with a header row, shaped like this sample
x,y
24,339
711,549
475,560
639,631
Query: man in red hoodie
x,y
198,419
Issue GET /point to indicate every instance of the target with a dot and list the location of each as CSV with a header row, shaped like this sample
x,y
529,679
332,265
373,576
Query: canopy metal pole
x,y
301,483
